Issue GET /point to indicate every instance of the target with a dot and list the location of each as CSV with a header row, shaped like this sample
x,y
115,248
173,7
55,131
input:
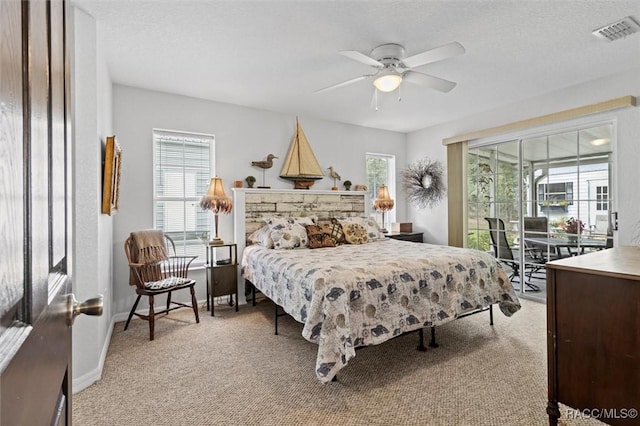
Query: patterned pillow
x,y
289,232
318,238
370,226
334,229
261,236
354,233
289,238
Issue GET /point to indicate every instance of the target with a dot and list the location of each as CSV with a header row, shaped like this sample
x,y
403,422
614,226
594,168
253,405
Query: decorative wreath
x,y
423,182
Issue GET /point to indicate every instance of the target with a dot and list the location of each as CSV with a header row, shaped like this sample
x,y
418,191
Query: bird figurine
x,y
335,176
265,164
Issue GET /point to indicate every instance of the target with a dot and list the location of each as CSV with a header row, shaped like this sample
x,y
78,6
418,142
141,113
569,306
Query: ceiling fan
x,y
392,68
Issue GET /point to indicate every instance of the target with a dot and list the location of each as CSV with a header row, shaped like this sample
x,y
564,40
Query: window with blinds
x,y
183,164
381,169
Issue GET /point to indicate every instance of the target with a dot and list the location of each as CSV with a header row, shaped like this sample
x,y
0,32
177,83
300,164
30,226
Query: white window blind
x,y
183,164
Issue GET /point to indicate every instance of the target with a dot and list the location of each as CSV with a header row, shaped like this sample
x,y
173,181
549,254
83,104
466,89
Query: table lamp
x,y
217,201
383,203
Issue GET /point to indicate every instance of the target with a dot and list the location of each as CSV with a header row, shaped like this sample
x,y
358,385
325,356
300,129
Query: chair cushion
x,y
166,283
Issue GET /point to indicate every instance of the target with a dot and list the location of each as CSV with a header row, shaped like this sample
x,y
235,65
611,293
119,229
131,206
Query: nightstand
x,y
222,273
415,237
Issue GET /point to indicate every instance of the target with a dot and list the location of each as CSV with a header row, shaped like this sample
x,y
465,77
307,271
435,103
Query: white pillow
x,y
261,236
370,225
301,220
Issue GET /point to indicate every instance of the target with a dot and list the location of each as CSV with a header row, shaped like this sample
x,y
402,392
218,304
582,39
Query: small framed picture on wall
x,y
111,179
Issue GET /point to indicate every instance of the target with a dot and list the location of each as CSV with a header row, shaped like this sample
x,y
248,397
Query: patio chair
x,y
502,251
538,227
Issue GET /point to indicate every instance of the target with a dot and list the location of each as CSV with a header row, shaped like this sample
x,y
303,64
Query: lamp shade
x,y
388,80
216,199
384,201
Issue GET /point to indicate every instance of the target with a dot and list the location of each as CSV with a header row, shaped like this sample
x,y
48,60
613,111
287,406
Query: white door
x,y
598,206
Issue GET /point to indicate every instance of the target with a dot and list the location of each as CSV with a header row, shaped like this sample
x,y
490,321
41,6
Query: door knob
x,y
91,306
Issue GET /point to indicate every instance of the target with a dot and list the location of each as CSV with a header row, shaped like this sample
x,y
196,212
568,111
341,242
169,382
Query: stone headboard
x,y
323,204
251,206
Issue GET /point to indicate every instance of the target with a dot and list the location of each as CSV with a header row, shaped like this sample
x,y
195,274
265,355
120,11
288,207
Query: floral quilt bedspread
x,y
355,295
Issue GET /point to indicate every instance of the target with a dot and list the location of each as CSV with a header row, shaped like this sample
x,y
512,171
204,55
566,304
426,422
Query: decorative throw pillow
x,y
334,229
261,236
289,238
318,238
289,232
355,233
370,226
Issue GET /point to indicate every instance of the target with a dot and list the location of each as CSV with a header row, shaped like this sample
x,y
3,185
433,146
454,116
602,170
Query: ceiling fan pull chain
x,y
375,95
399,93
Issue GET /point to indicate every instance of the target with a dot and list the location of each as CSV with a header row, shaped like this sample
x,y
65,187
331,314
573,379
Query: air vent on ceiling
x,y
617,30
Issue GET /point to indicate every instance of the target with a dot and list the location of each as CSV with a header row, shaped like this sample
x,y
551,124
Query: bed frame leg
x,y
335,378
276,318
421,346
433,343
490,314
253,294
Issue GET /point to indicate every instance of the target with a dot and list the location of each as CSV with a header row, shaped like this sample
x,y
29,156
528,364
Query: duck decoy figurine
x,y
265,164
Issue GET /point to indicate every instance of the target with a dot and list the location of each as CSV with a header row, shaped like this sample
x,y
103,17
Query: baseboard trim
x,y
86,380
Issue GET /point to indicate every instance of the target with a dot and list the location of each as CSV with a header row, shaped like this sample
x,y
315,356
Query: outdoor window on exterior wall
x,y
183,164
381,169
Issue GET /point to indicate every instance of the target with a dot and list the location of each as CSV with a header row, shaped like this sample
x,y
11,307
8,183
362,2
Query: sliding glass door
x,y
492,188
535,199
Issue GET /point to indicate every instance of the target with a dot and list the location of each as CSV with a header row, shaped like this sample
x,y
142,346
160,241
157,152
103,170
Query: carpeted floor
x,y
232,370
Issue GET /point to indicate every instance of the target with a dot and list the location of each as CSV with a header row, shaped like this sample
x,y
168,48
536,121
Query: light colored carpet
x,y
232,370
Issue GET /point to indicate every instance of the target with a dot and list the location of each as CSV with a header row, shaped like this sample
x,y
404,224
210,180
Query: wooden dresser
x,y
593,335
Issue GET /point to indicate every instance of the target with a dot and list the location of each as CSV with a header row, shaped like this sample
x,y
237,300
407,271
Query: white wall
x,y
428,142
92,232
242,135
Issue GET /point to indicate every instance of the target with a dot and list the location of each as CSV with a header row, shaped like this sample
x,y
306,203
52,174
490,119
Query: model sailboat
x,y
301,165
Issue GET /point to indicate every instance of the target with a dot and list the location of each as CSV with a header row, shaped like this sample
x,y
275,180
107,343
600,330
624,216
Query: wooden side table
x,y
222,273
415,237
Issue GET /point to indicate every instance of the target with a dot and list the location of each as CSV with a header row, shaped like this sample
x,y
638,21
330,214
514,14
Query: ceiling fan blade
x,y
344,83
433,55
374,99
361,57
428,81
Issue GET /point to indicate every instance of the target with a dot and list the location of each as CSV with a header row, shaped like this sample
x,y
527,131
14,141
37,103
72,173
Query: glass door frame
x,y
520,139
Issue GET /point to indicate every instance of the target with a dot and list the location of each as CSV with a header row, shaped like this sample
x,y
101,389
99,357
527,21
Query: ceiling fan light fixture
x,y
388,80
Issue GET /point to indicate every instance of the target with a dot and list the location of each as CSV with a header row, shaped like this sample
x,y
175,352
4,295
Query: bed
x,y
351,296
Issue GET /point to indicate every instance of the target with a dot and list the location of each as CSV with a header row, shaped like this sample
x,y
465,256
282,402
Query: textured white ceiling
x,y
274,54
